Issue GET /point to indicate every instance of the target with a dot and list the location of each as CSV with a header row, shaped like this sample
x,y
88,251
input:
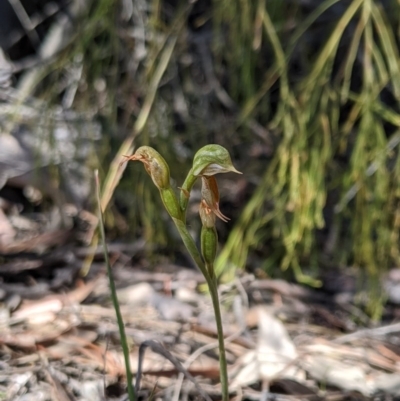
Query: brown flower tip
x,y
155,165
210,196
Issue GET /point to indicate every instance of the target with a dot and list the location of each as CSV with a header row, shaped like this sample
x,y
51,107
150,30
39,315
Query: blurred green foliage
x,y
305,96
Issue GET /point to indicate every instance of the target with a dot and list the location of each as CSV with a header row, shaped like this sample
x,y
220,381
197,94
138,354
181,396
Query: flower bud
x,y
210,195
155,165
212,159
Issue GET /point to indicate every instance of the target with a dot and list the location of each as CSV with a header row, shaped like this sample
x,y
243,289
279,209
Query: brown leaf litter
x,y
282,340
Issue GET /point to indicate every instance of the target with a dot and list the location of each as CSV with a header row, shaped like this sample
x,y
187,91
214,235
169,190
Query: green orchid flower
x,y
208,161
211,160
158,169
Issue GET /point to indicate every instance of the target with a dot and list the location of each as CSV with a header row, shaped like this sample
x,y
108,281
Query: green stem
x,y
191,247
221,343
120,321
186,188
208,273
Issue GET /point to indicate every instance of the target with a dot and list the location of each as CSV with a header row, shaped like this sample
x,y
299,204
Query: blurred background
x,y
304,94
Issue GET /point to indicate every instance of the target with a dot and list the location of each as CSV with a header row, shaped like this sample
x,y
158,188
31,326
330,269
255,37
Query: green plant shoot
x,y
208,161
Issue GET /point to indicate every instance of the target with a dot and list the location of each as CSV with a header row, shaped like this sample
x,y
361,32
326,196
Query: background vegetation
x,y
304,94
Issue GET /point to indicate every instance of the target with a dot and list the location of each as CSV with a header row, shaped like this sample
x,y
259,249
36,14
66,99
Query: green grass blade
x,y
389,47
351,57
121,326
330,48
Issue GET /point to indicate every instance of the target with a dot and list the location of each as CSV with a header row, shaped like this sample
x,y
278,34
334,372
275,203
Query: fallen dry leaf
x,y
275,355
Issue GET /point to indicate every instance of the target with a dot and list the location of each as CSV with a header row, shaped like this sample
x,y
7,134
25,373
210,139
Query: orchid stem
x,y
208,273
191,247
221,342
